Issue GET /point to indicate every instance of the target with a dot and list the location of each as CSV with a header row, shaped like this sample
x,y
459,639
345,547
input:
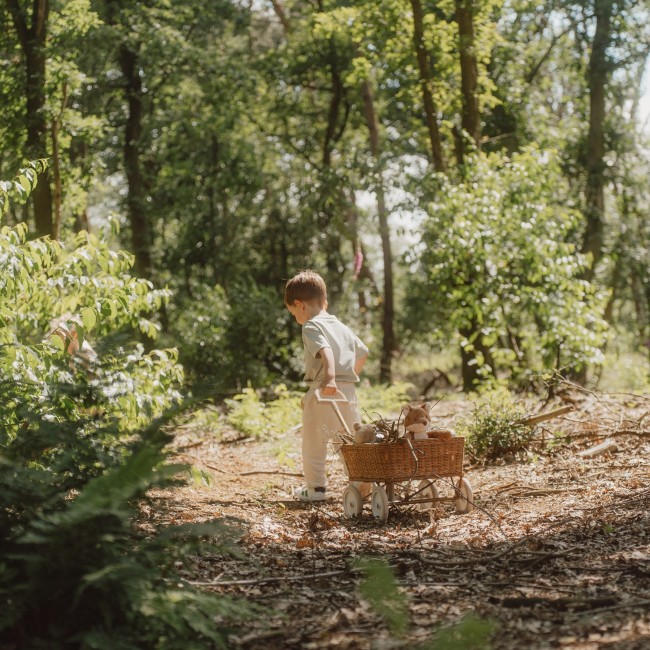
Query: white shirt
x,y
327,331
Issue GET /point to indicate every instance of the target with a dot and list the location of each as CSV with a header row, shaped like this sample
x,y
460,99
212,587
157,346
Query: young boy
x,y
334,357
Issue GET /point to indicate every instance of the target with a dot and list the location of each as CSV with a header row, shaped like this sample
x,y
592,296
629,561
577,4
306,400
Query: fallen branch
x,y
529,491
269,471
259,581
532,420
580,604
542,492
636,603
631,432
604,447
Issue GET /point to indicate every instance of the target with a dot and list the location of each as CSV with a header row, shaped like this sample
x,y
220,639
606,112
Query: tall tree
x,y
388,309
141,238
470,117
119,16
31,28
424,67
598,72
470,331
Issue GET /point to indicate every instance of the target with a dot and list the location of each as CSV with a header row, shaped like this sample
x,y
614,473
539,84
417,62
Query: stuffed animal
x,y
417,421
440,434
364,433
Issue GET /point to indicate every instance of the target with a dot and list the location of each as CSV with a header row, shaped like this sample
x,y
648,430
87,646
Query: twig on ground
x,y
269,471
259,581
600,610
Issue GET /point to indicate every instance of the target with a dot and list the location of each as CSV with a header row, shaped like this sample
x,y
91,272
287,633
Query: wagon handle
x,y
337,397
333,399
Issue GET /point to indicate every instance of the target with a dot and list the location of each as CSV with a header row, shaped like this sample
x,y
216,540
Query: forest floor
x,y
556,554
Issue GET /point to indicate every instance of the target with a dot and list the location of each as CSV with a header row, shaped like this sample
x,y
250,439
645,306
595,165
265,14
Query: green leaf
x,y
381,591
89,317
470,633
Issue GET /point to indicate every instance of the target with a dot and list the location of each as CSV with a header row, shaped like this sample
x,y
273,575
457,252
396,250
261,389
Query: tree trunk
x,y
597,74
56,171
470,127
424,67
79,156
56,164
364,277
330,191
141,238
332,116
470,118
388,340
32,39
282,16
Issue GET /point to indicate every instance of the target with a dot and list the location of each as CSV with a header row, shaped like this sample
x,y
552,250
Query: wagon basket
x,y
404,460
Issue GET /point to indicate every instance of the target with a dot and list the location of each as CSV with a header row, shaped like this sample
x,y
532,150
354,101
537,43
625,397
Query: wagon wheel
x,y
465,501
379,503
352,501
426,490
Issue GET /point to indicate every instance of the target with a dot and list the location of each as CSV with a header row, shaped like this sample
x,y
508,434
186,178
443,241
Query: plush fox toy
x,y
417,421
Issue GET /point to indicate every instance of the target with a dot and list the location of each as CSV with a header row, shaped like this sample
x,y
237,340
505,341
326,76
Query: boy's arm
x,y
328,385
359,363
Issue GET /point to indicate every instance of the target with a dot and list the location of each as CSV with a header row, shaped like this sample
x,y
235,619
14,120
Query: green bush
x,y
74,570
231,339
494,429
498,266
248,413
78,450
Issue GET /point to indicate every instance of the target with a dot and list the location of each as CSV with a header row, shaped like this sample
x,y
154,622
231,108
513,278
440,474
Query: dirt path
x,y
557,555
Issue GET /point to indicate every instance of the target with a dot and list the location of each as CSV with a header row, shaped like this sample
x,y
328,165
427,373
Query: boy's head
x,y
308,287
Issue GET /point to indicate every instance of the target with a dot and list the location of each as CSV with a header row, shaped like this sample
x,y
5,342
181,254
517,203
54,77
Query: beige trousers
x,y
320,425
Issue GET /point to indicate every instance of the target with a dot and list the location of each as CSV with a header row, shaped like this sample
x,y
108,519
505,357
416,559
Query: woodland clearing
x,y
556,554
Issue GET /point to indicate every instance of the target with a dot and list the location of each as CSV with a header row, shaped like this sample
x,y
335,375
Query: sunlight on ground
x,y
625,372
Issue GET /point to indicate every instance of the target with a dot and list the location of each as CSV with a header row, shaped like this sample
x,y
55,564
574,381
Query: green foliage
x,y
250,152
497,264
248,413
76,571
494,429
222,336
470,633
380,589
383,400
21,187
78,450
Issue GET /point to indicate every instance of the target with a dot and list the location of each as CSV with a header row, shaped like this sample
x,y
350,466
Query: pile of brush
x,y
380,430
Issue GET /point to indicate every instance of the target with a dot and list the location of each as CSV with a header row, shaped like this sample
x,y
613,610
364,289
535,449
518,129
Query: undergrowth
x,y
494,428
380,589
252,415
249,413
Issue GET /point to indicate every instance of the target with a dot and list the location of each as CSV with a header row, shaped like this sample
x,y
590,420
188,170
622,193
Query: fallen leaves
x,y
557,554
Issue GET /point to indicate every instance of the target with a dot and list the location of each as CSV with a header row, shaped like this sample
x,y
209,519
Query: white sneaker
x,y
309,494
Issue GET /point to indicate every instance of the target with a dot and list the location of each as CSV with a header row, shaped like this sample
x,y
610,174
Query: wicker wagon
x,y
390,464
387,464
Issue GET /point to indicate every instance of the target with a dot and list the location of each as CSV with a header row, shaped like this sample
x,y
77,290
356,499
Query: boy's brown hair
x,y
306,286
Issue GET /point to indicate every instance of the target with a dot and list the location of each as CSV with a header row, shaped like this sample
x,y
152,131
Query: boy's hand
x,y
328,387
